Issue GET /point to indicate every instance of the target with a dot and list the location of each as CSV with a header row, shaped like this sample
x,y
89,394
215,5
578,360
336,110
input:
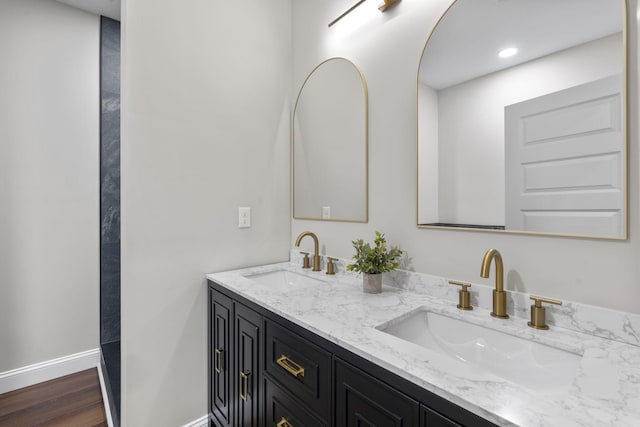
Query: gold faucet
x,y
499,295
316,256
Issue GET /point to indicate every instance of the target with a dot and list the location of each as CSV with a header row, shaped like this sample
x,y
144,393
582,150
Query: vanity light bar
x,y
384,6
348,11
387,4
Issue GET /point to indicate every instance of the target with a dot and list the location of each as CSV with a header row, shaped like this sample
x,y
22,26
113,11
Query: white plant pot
x,y
372,283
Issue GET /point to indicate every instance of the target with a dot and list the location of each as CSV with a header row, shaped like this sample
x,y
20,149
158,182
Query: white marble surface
x,y
606,389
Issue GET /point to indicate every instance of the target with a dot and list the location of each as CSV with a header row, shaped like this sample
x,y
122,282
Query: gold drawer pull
x,y
290,366
284,423
244,384
218,360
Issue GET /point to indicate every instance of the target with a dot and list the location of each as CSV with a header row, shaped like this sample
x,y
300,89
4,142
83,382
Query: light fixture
x,y
387,4
384,6
508,52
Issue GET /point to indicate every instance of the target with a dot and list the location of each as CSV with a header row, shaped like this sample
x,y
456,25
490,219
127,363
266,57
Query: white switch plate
x,y
326,212
244,217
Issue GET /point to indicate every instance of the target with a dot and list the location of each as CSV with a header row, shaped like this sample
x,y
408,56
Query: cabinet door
x,y
220,351
248,337
363,401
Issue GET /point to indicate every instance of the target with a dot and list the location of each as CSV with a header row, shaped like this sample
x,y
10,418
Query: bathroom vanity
x,y
305,379
290,347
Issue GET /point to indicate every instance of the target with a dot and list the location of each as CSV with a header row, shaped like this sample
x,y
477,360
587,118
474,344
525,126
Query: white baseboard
x,y
44,371
200,422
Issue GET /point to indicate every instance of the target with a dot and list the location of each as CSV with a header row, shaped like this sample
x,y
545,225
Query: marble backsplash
x,y
588,319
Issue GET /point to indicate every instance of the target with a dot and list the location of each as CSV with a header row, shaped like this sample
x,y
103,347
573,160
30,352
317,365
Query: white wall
x,y
428,167
472,156
49,212
206,113
387,49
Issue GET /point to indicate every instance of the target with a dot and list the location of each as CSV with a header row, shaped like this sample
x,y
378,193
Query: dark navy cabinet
x,y
235,349
266,371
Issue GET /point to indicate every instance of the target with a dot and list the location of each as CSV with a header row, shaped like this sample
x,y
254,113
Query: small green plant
x,y
377,259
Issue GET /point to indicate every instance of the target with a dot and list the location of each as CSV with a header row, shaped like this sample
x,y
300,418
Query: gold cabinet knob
x,y
538,312
464,295
331,265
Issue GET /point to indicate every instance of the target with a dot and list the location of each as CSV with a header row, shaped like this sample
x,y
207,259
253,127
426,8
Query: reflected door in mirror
x,y
466,90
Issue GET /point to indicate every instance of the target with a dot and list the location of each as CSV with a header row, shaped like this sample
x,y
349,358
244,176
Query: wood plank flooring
x,y
71,401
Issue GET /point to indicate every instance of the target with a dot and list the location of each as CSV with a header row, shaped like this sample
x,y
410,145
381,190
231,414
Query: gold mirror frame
x,y
625,164
366,146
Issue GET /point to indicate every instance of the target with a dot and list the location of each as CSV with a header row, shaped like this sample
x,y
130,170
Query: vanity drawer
x,y
283,410
362,399
301,367
433,419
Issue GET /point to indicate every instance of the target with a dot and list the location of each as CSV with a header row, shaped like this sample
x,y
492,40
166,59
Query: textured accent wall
x,y
110,206
109,181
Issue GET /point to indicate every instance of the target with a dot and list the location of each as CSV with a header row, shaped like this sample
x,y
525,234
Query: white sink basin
x,y
285,280
533,365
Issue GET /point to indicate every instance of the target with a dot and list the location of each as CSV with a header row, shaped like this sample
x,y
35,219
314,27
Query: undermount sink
x,y
533,365
285,280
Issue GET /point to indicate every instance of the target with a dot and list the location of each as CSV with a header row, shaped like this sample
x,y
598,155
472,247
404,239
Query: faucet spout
x,y
316,248
499,295
491,255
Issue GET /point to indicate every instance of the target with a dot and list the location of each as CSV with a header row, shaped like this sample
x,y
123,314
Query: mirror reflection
x,y
521,118
330,144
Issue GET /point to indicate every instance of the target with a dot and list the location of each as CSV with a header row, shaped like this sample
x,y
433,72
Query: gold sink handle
x,y
538,312
465,296
331,265
305,261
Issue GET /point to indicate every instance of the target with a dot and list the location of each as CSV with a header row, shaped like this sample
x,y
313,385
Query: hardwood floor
x,y
71,401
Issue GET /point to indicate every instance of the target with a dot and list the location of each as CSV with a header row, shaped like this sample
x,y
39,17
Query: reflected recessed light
x,y
510,51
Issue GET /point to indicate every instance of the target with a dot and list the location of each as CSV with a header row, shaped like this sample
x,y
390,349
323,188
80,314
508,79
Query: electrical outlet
x,y
326,212
244,217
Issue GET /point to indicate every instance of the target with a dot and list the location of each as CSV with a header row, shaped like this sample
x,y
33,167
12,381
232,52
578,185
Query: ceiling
x,y
467,40
108,8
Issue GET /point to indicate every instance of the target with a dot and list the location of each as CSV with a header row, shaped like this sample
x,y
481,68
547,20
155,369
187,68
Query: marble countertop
x,y
605,391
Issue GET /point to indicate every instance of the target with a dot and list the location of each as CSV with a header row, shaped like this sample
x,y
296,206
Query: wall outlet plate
x,y
326,212
244,217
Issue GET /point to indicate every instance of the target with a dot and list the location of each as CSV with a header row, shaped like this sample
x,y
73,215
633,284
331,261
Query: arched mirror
x,y
522,118
330,132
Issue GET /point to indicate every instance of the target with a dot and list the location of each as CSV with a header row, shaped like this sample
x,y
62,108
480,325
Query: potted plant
x,y
373,261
